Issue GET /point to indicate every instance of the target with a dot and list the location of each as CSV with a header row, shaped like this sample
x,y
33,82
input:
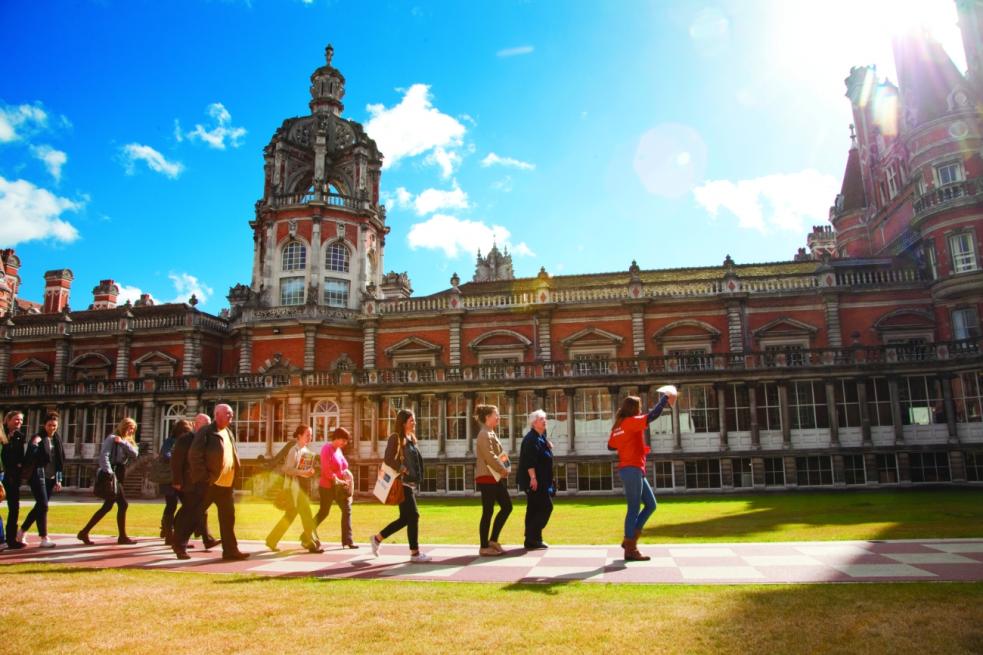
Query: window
x,y
497,367
968,396
931,262
457,417
366,481
591,363
90,426
743,474
387,421
892,181
592,413
879,401
949,173
114,414
560,477
887,468
738,406
785,355
292,291
594,476
324,419
807,405
965,324
556,414
278,420
774,471
769,412
847,403
698,410
854,471
703,474
427,418
455,477
919,403
689,359
294,257
974,466
429,481
664,477
929,467
71,418
498,399
367,420
336,258
963,252
249,421
336,292
813,471
910,349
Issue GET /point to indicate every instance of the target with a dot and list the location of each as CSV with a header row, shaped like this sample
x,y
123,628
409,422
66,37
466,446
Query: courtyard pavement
x,y
737,563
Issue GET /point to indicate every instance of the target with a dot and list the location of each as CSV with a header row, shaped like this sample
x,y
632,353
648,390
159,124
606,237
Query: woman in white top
x,y
298,467
117,451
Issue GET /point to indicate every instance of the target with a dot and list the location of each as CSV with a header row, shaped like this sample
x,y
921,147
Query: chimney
x,y
146,300
104,296
10,265
57,285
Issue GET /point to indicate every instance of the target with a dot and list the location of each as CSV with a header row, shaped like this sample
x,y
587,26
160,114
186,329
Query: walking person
x,y
184,434
491,474
297,468
535,477
165,478
337,484
403,456
118,449
628,438
11,461
42,469
213,463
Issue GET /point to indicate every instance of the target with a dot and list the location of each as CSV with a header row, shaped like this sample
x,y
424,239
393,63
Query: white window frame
x,y
280,290
328,248
348,294
786,346
965,260
463,477
591,360
892,181
324,417
298,263
690,356
970,323
954,170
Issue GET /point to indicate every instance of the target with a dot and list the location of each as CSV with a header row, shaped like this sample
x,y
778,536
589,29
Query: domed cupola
x,y
327,87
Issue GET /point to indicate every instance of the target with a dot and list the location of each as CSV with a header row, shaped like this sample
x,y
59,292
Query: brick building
x,y
855,364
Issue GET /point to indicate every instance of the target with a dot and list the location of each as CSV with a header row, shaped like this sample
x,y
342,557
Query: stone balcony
x,y
957,194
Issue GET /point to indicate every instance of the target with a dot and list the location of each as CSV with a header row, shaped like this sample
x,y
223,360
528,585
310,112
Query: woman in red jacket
x,y
628,438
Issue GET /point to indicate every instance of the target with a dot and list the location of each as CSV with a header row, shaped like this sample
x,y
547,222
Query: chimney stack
x,y
57,285
104,296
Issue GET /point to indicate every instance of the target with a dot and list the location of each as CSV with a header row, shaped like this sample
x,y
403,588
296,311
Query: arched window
x,y
336,258
324,419
294,257
170,415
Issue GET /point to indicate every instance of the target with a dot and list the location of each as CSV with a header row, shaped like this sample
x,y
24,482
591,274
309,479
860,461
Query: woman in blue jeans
x,y
628,438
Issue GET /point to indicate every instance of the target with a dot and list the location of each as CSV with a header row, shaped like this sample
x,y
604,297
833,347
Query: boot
x,y
631,552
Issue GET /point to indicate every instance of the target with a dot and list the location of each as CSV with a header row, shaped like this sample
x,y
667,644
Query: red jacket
x,y
629,440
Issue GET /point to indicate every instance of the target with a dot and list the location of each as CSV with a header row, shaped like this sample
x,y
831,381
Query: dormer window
x,y
294,257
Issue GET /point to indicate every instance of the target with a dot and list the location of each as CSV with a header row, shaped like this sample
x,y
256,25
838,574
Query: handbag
x,y
396,494
105,486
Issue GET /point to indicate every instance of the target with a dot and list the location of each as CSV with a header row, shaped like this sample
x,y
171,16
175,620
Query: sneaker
x,y
488,551
375,545
497,546
420,557
20,536
3,545
46,543
17,545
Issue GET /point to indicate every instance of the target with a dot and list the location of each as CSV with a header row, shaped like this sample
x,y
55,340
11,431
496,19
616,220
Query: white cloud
x,y
415,127
53,159
454,236
504,185
494,160
128,293
432,200
222,129
30,212
134,152
178,134
186,285
790,202
27,118
512,52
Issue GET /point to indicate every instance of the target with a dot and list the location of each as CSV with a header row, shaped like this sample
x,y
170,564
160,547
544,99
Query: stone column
x,y
294,411
892,385
752,394
269,293
638,329
469,410
310,343
833,411
721,390
191,358
677,435
514,431
61,358
735,327
314,267
864,411
353,449
442,428
571,395
783,408
833,331
644,393
376,437
454,351
148,428
545,336
245,351
5,347
945,381
122,358
368,343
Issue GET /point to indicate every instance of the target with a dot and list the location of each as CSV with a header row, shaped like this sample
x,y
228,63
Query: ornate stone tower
x,y
496,266
319,229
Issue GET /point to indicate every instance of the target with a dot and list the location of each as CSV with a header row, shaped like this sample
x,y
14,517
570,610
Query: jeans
x,y
496,492
224,500
11,482
539,506
42,489
336,494
409,518
170,508
299,504
121,505
638,493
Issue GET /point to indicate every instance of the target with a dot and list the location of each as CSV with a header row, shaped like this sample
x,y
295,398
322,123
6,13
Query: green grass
x,y
132,611
804,516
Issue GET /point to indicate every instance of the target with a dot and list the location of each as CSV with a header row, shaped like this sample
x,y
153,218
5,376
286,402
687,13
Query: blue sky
x,y
581,134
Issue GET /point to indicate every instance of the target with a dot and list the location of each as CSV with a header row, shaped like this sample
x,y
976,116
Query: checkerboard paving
x,y
738,563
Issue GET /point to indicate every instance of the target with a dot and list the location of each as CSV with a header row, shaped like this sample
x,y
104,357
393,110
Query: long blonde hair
x,y
122,428
4,438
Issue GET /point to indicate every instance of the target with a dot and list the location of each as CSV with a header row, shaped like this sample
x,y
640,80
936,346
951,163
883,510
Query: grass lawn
x,y
129,611
803,516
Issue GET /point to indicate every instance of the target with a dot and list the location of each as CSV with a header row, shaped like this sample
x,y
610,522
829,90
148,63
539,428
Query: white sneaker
x,y
20,535
3,545
420,557
375,545
46,543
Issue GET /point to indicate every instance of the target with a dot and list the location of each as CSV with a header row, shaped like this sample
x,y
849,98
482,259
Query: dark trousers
x,y
336,494
409,518
539,506
223,499
170,509
42,489
493,493
11,483
299,504
121,505
191,517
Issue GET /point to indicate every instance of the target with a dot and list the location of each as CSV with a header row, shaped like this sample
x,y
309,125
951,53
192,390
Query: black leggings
x,y
493,493
409,518
107,505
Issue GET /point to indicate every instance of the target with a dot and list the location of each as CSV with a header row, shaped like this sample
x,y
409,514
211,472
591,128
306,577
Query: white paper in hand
x,y
669,390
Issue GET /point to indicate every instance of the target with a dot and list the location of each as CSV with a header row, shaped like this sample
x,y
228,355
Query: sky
x,y
580,135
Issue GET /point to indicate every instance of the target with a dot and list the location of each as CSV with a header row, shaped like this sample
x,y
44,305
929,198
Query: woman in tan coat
x,y
491,474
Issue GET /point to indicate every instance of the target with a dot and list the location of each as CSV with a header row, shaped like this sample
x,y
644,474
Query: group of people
x,y
199,462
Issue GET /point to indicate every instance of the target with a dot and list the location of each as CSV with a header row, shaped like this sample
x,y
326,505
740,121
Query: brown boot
x,y
631,552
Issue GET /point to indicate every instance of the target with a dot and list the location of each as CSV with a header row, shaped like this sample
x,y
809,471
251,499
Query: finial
x,y
328,53
853,136
455,280
193,300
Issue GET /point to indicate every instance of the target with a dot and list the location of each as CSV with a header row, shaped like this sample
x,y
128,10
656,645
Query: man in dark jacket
x,y
180,480
535,477
213,462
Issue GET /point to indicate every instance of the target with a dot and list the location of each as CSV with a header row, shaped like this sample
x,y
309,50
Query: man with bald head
x,y
213,462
